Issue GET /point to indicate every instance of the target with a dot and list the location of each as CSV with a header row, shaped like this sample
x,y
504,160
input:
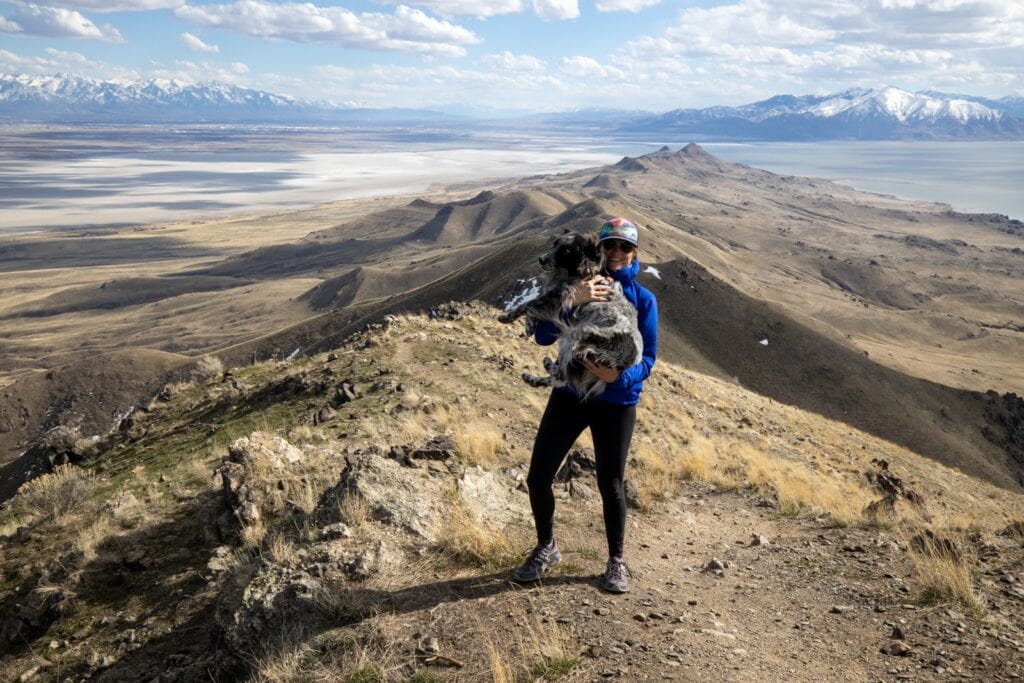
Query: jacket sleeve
x,y
545,333
647,321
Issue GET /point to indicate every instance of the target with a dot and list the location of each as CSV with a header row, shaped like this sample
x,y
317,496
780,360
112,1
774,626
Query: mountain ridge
x,y
855,113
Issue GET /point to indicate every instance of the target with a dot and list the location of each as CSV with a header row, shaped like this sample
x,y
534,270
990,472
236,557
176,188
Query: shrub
x,y
207,368
56,493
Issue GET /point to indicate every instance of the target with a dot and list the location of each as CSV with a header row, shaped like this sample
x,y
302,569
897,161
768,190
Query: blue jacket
x,y
626,389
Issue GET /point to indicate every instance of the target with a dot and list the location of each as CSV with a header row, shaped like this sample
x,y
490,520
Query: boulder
x,y
492,497
406,498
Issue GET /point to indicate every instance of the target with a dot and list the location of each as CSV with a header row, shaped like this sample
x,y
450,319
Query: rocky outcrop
x,y
250,480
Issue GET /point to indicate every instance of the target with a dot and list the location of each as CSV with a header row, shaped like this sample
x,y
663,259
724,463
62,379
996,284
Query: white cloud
x,y
556,9
474,8
545,9
113,5
55,22
624,5
512,62
410,86
407,30
196,43
187,71
589,68
60,60
726,53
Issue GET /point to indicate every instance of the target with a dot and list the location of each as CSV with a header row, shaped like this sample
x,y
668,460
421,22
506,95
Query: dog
x,y
603,332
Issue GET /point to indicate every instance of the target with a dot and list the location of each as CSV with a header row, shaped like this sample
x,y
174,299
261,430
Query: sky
x,y
542,55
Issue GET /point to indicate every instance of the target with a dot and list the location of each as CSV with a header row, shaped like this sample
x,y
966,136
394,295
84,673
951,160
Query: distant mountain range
x,y
860,114
64,98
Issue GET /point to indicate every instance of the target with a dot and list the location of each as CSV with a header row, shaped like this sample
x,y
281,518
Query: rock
x,y
632,495
124,507
334,532
220,560
324,415
265,448
897,633
275,600
840,609
441,447
714,633
896,648
345,392
578,489
578,463
491,497
759,540
406,498
377,559
714,565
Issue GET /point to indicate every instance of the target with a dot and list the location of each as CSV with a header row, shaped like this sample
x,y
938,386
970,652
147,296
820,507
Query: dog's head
x,y
579,256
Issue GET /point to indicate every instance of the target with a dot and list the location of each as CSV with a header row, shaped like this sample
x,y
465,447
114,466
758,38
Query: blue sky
x,y
535,54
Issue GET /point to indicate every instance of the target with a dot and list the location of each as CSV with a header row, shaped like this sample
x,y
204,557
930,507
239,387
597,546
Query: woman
x,y
610,416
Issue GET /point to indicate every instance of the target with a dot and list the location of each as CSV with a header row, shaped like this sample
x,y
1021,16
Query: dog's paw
x,y
506,317
549,364
535,381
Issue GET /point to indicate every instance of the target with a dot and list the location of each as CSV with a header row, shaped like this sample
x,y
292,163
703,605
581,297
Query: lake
x,y
69,177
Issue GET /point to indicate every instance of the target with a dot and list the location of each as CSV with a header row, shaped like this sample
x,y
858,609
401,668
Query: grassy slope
x,y
139,562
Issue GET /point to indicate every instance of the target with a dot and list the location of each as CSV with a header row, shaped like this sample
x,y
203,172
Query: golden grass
x,y
56,493
354,512
469,541
479,441
253,534
539,651
944,570
92,535
279,549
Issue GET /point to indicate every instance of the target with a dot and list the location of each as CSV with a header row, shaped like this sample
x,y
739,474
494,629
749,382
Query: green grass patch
x,y
554,667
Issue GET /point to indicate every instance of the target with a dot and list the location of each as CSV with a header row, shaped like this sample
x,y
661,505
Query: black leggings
x,y
611,426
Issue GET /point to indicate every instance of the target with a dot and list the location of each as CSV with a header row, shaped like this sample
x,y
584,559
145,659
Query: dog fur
x,y
604,332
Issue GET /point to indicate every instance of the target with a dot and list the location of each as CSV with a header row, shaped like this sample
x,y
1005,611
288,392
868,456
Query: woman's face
x,y
618,253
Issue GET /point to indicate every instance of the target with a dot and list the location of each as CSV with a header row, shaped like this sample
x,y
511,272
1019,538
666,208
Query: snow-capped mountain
x,y
859,113
74,99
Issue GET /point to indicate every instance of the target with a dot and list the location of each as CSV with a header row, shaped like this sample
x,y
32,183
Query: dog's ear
x,y
593,250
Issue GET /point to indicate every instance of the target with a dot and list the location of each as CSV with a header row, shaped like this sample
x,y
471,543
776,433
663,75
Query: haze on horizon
x,y
527,54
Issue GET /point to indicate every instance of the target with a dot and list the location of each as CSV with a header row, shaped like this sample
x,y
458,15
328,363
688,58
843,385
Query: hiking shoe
x,y
616,576
537,562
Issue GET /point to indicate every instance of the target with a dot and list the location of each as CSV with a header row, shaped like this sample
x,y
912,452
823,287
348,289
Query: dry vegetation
x,y
692,430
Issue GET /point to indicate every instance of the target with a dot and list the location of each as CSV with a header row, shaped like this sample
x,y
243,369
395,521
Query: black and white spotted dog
x,y
604,332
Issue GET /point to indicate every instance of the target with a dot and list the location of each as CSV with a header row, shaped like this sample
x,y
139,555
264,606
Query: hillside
x,y
900,318
366,506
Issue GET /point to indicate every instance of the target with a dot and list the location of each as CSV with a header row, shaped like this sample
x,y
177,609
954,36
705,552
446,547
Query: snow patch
x,y
653,271
530,290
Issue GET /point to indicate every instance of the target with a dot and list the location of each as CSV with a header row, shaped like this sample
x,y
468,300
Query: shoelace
x,y
619,570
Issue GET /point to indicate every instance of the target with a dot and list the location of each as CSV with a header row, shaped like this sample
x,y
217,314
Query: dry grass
x,y
354,512
56,493
468,541
254,534
539,651
94,534
479,442
944,570
279,549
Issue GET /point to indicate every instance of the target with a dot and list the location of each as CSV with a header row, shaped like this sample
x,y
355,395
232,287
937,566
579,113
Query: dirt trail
x,y
810,603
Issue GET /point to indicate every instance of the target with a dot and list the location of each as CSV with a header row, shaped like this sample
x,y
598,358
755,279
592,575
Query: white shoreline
x,y
317,178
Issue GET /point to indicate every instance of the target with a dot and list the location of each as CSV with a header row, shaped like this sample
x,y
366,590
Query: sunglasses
x,y
622,245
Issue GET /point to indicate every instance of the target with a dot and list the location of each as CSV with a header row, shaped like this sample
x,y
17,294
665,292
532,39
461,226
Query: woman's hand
x,y
606,375
594,289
